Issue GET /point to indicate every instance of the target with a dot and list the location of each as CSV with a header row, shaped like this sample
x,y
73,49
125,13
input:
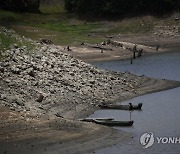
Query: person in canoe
x,y
130,106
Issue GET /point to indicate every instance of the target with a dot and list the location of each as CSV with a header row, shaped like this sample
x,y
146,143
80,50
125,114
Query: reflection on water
x,y
160,115
160,112
163,65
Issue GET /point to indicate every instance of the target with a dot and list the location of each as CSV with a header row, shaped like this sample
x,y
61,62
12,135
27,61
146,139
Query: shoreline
x,y
38,127
163,86
147,43
159,85
86,139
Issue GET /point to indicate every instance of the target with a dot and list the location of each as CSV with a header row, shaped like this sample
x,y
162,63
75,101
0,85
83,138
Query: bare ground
x,y
25,133
148,43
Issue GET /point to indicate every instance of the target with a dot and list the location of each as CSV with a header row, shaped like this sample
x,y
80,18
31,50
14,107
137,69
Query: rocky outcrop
x,y
50,81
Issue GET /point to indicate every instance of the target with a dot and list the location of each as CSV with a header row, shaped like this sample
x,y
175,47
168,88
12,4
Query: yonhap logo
x,y
147,140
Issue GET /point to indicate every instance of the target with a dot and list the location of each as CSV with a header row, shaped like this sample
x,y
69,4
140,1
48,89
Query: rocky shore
x,y
48,81
43,91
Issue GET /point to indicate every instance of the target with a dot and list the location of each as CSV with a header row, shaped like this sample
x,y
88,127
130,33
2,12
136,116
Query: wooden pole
x,y
134,51
131,60
130,115
134,54
157,48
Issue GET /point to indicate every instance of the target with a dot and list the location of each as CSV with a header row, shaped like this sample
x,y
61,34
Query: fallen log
x,y
115,43
98,47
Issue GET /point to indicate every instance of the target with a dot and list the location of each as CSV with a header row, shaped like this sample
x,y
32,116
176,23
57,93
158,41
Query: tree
x,y
121,7
20,5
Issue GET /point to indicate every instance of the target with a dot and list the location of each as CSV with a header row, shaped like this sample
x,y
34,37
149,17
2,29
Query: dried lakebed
x,y
40,90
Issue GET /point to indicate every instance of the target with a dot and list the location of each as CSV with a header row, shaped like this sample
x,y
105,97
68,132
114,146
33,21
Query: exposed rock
x,y
92,81
15,46
40,98
31,72
46,41
46,79
2,69
15,70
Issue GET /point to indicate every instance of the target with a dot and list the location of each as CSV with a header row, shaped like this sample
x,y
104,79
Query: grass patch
x,y
8,39
54,6
62,28
133,26
9,17
59,8
5,43
72,34
140,25
60,37
66,29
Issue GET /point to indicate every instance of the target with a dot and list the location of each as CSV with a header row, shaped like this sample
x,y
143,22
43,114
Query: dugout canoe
x,y
121,107
114,123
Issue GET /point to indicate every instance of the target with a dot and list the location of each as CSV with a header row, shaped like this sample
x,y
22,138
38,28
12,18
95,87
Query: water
x,y
160,115
162,65
160,112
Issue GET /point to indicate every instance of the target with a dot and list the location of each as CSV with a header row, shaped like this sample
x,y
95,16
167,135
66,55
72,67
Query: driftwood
x,y
98,47
115,43
101,48
46,41
140,53
108,36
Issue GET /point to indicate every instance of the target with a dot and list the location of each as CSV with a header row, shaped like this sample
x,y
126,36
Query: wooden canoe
x,y
121,107
93,119
114,123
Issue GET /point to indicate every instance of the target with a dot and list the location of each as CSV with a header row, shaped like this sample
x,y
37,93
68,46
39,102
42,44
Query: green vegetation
x,y
121,8
65,28
20,5
51,8
7,40
9,17
5,43
56,6
68,28
137,25
69,33
62,28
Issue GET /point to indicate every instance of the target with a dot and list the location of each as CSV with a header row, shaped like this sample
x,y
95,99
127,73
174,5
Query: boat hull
x,y
122,107
92,119
114,123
